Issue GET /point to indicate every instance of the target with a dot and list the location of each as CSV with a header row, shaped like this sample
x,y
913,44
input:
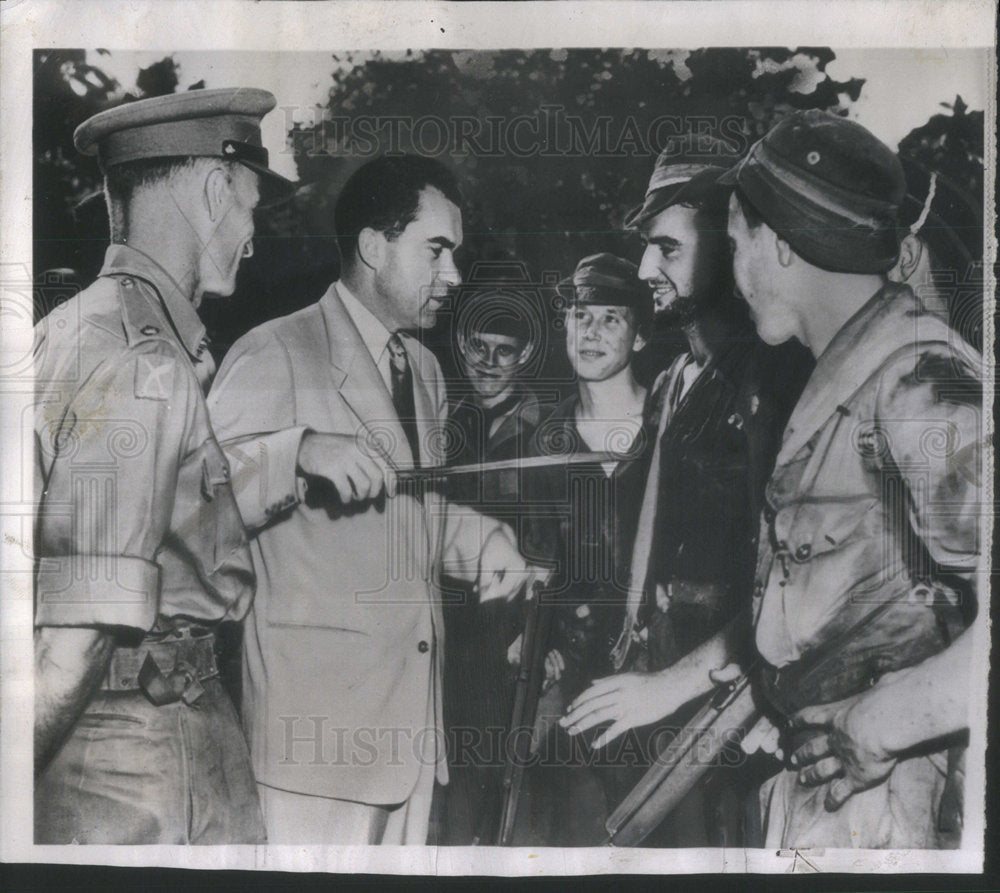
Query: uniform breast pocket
x,y
808,531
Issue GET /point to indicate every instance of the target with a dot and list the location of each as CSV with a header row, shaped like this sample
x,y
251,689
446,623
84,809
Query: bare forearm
x,y
921,703
69,665
690,675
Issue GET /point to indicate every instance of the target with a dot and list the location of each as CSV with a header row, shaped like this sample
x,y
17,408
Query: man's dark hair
x,y
384,194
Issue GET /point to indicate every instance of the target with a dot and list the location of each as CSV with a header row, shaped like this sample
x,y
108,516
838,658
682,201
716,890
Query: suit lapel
x,y
361,385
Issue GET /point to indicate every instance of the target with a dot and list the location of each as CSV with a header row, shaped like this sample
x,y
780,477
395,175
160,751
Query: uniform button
x,y
127,282
423,647
149,330
803,552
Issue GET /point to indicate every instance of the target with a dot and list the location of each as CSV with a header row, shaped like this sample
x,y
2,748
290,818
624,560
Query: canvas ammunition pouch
x,y
165,667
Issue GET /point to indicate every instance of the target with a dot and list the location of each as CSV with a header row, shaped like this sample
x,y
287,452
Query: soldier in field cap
x,y
139,543
866,571
713,421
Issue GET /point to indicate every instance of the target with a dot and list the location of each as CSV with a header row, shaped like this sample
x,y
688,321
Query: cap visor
x,y
654,203
274,188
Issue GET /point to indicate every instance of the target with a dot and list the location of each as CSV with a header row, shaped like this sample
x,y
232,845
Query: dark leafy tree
x,y
593,121
951,148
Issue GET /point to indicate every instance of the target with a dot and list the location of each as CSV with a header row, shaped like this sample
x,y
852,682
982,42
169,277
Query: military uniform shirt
x,y
894,402
136,520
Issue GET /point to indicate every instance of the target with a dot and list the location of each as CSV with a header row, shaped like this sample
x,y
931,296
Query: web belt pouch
x,y
902,633
167,667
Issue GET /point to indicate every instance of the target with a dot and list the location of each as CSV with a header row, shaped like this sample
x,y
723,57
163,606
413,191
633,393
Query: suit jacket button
x,y
423,647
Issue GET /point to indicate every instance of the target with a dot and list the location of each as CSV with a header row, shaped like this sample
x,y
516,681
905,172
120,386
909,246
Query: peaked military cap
x,y
829,188
223,123
685,168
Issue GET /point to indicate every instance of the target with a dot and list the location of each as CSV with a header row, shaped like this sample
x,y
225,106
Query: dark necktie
x,y
402,394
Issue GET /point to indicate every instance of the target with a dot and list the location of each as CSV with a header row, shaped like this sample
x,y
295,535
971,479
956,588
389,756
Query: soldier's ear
x,y
911,250
784,250
217,189
371,247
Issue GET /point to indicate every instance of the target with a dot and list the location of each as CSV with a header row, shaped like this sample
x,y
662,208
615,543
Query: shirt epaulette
x,y
141,318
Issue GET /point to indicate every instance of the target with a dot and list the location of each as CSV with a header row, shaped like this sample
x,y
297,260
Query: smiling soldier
x,y
140,547
494,420
714,419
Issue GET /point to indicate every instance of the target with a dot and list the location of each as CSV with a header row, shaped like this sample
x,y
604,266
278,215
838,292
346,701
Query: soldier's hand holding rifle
x,y
846,752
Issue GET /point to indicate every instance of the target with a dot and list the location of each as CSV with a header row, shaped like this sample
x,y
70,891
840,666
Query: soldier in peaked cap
x,y
140,546
869,537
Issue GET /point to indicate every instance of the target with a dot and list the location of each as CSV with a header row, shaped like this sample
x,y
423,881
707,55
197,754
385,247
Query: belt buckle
x,y
181,684
194,689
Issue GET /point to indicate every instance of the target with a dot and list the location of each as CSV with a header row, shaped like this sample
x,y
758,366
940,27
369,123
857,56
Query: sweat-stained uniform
x,y
873,505
137,532
715,445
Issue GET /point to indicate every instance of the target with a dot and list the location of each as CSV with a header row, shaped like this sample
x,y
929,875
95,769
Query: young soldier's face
x,y
491,362
759,276
417,268
600,340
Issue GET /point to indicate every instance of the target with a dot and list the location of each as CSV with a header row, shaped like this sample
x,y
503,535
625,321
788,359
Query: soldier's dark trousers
x,y
134,773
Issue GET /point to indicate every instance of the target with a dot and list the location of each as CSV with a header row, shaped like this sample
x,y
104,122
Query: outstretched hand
x,y
845,753
626,700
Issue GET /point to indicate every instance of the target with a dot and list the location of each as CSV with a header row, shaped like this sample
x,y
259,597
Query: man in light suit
x,y
317,411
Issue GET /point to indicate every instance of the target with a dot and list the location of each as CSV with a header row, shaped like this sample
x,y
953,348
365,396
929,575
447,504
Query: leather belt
x,y
166,667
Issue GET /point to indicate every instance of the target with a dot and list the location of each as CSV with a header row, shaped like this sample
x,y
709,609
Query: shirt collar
x,y
886,322
124,259
373,333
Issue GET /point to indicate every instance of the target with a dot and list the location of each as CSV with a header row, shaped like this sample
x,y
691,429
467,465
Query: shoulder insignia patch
x,y
154,377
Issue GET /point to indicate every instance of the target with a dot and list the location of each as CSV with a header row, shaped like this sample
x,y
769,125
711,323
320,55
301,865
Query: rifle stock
x,y
526,693
722,721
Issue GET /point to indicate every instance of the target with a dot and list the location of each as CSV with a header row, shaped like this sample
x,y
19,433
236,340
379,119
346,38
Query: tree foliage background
x,y
528,215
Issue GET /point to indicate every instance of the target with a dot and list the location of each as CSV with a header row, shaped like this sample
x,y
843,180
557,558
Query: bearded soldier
x,y
713,420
